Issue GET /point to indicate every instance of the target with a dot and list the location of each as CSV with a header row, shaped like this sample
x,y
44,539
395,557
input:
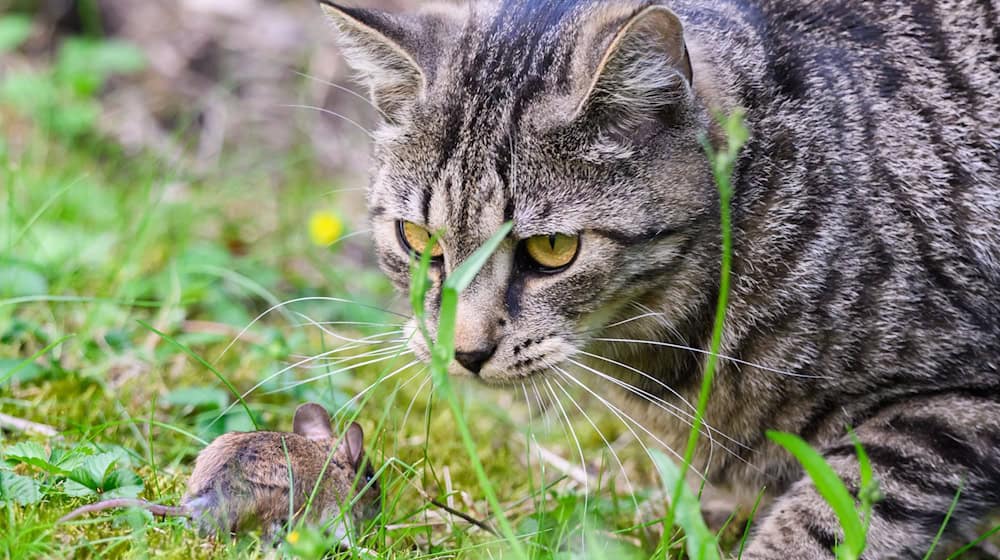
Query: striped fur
x,y
866,211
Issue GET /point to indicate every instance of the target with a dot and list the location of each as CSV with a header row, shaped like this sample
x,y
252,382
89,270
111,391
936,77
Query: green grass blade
x,y
944,524
723,163
750,520
869,492
829,485
206,365
865,464
958,553
462,276
701,543
443,352
13,371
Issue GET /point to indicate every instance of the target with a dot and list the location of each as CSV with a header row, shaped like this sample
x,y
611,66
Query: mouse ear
x,y
354,444
312,421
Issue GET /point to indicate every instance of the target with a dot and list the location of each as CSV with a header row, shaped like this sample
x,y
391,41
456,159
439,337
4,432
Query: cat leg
x,y
922,452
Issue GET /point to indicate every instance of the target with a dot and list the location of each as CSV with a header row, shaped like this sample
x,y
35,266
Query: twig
x,y
562,465
20,425
466,517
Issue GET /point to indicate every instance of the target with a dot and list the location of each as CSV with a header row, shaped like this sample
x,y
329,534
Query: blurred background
x,y
211,79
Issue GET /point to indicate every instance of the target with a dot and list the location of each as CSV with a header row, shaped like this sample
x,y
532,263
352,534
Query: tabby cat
x,y
866,275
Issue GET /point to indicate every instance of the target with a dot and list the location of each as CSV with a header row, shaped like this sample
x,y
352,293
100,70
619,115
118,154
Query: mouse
x,y
241,481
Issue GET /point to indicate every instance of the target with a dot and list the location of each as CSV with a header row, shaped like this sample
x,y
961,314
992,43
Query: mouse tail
x,y
155,509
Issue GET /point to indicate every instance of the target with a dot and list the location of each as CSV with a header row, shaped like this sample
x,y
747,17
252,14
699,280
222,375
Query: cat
x,y
866,223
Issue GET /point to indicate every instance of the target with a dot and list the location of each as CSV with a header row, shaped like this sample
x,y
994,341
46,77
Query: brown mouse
x,y
241,480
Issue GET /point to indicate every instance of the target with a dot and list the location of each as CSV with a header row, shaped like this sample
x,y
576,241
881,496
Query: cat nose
x,y
474,360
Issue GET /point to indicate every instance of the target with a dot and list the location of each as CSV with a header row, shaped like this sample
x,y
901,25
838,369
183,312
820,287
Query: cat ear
x,y
642,69
313,422
383,50
353,444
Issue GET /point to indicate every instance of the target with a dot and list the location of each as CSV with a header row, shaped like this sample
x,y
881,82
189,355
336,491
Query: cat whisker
x,y
643,374
328,359
662,319
300,300
327,362
618,324
420,388
600,434
332,113
580,475
614,411
351,235
332,192
368,341
398,326
708,431
376,383
625,418
572,433
332,334
583,463
343,89
290,367
267,379
339,370
647,395
380,346
543,410
708,353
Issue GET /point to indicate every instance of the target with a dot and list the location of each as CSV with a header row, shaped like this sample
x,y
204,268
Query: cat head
x,y
577,121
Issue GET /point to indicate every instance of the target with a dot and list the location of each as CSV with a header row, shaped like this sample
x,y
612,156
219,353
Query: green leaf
x,y
26,450
20,279
122,484
33,454
829,485
19,371
77,490
94,470
29,93
85,63
20,489
75,118
701,543
462,276
69,460
14,30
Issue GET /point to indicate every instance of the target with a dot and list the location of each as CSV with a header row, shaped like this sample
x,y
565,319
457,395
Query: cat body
x,y
866,226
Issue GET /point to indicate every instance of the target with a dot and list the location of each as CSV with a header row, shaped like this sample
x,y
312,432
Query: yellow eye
x,y
416,239
552,251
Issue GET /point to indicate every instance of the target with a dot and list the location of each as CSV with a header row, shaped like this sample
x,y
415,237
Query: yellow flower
x,y
293,537
325,227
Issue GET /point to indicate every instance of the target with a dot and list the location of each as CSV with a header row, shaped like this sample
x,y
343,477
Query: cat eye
x,y
552,252
416,239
